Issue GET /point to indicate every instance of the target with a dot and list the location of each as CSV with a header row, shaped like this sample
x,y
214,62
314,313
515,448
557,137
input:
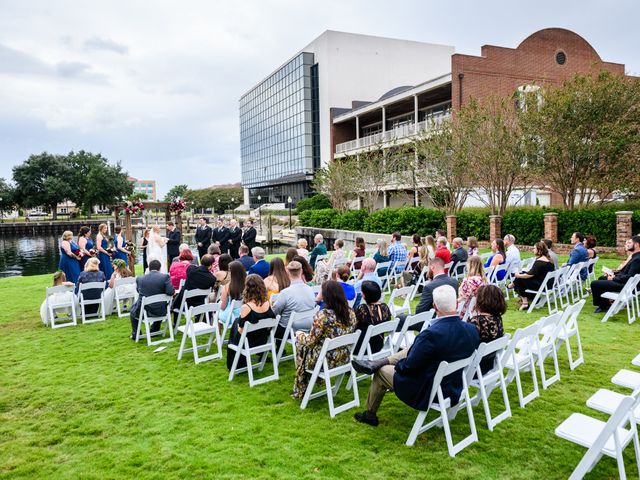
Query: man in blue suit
x,y
261,267
579,253
410,372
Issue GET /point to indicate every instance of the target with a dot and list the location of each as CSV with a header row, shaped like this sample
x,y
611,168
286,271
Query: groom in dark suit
x,y
203,237
249,236
173,241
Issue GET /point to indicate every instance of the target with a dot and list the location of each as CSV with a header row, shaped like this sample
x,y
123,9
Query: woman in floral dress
x,y
335,320
474,280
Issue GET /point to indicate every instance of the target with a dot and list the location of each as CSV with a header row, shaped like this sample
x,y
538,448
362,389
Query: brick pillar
x,y
495,227
551,226
452,222
623,229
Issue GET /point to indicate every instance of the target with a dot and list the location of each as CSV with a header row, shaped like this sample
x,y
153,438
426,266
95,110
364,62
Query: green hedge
x,y
350,220
524,223
473,222
406,220
636,222
316,202
600,222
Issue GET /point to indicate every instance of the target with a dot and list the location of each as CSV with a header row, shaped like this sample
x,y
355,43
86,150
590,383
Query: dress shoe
x,y
367,366
367,417
599,310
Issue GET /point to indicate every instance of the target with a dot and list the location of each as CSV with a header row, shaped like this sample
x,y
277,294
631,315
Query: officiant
x,y
203,236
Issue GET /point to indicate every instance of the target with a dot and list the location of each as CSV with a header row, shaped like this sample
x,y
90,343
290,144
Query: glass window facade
x,y
279,132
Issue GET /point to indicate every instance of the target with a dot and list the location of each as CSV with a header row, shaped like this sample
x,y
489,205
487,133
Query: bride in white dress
x,y
157,248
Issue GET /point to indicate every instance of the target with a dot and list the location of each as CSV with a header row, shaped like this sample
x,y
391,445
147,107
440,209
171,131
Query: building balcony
x,y
400,134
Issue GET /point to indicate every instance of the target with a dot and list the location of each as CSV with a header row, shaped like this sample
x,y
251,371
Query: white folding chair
x,y
192,329
591,272
125,295
485,383
570,329
412,264
602,438
180,285
186,295
388,274
485,256
518,357
355,271
563,284
339,262
404,294
527,263
99,315
288,336
607,401
545,294
404,338
61,306
148,321
421,282
447,412
469,311
627,378
243,348
458,271
546,347
236,304
386,329
447,268
626,298
322,371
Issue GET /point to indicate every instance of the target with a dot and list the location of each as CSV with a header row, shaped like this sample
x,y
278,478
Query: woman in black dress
x,y
256,307
532,280
371,313
143,246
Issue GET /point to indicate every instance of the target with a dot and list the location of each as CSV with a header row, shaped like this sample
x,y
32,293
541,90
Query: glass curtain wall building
x,y
279,133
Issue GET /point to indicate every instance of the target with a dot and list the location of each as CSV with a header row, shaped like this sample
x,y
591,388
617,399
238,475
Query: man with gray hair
x,y
367,274
261,267
410,372
319,249
513,254
297,297
459,255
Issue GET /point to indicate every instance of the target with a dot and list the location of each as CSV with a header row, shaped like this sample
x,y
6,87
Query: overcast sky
x,y
155,84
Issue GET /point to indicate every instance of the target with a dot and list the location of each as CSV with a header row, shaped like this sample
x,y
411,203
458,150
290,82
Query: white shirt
x,y
513,258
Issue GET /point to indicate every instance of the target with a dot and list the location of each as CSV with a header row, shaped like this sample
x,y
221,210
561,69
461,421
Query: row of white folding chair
x,y
243,348
403,294
207,314
628,297
405,337
61,303
147,321
99,315
423,278
124,297
288,337
458,271
189,294
226,325
386,329
547,293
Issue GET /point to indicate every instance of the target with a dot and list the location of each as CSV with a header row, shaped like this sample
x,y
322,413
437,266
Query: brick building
x,y
548,56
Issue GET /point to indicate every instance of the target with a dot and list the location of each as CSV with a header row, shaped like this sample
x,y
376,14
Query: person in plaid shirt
x,y
398,252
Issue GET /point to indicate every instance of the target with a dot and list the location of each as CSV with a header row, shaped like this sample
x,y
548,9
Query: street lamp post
x,y
218,210
1,212
289,200
259,213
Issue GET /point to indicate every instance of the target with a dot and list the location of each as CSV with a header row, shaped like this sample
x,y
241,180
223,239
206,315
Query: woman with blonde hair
x,y
91,274
102,244
59,279
69,257
473,281
302,248
381,255
431,246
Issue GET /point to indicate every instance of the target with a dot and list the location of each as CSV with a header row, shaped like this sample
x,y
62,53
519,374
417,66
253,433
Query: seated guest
x,y
628,247
232,291
302,248
430,243
297,297
59,278
472,282
278,278
214,250
261,267
579,253
359,251
325,268
442,234
617,281
490,306
91,274
397,252
343,273
291,252
413,258
532,280
256,307
245,259
182,248
367,274
178,268
553,256
472,246
372,312
153,283
442,251
497,257
459,254
381,256
335,320
423,261
307,271
318,249
410,372
198,278
120,270
222,276
590,245
512,258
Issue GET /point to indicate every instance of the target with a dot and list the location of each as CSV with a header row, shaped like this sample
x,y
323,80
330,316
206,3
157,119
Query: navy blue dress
x,y
70,265
89,246
119,254
105,260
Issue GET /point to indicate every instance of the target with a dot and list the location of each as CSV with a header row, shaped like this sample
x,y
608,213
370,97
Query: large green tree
x,y
177,191
218,199
7,197
43,180
95,181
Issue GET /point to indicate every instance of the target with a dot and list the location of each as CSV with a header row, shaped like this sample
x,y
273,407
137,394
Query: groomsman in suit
x,y
173,241
249,235
221,236
235,237
203,237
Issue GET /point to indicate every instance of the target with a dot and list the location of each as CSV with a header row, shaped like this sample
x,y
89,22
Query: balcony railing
x,y
398,133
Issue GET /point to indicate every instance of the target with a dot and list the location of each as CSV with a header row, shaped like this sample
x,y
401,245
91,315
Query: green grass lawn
x,y
86,402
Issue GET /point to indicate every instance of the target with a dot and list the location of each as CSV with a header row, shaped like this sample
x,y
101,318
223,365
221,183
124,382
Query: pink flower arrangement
x,y
177,205
134,208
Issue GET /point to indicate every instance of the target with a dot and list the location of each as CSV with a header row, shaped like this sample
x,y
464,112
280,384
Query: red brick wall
x,y
500,71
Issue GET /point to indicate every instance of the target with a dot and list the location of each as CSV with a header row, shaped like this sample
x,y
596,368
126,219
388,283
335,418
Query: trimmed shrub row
x,y
526,223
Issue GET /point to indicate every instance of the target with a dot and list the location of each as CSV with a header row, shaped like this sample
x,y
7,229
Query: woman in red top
x,y
178,270
359,251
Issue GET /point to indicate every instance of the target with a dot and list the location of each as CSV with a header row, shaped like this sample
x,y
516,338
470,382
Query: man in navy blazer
x,y
153,283
410,372
261,267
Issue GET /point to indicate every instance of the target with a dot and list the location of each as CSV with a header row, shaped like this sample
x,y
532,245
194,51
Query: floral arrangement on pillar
x,y
134,207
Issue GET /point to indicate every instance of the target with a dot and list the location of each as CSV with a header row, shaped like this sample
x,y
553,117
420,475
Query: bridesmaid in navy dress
x,y
105,258
119,243
85,244
69,258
